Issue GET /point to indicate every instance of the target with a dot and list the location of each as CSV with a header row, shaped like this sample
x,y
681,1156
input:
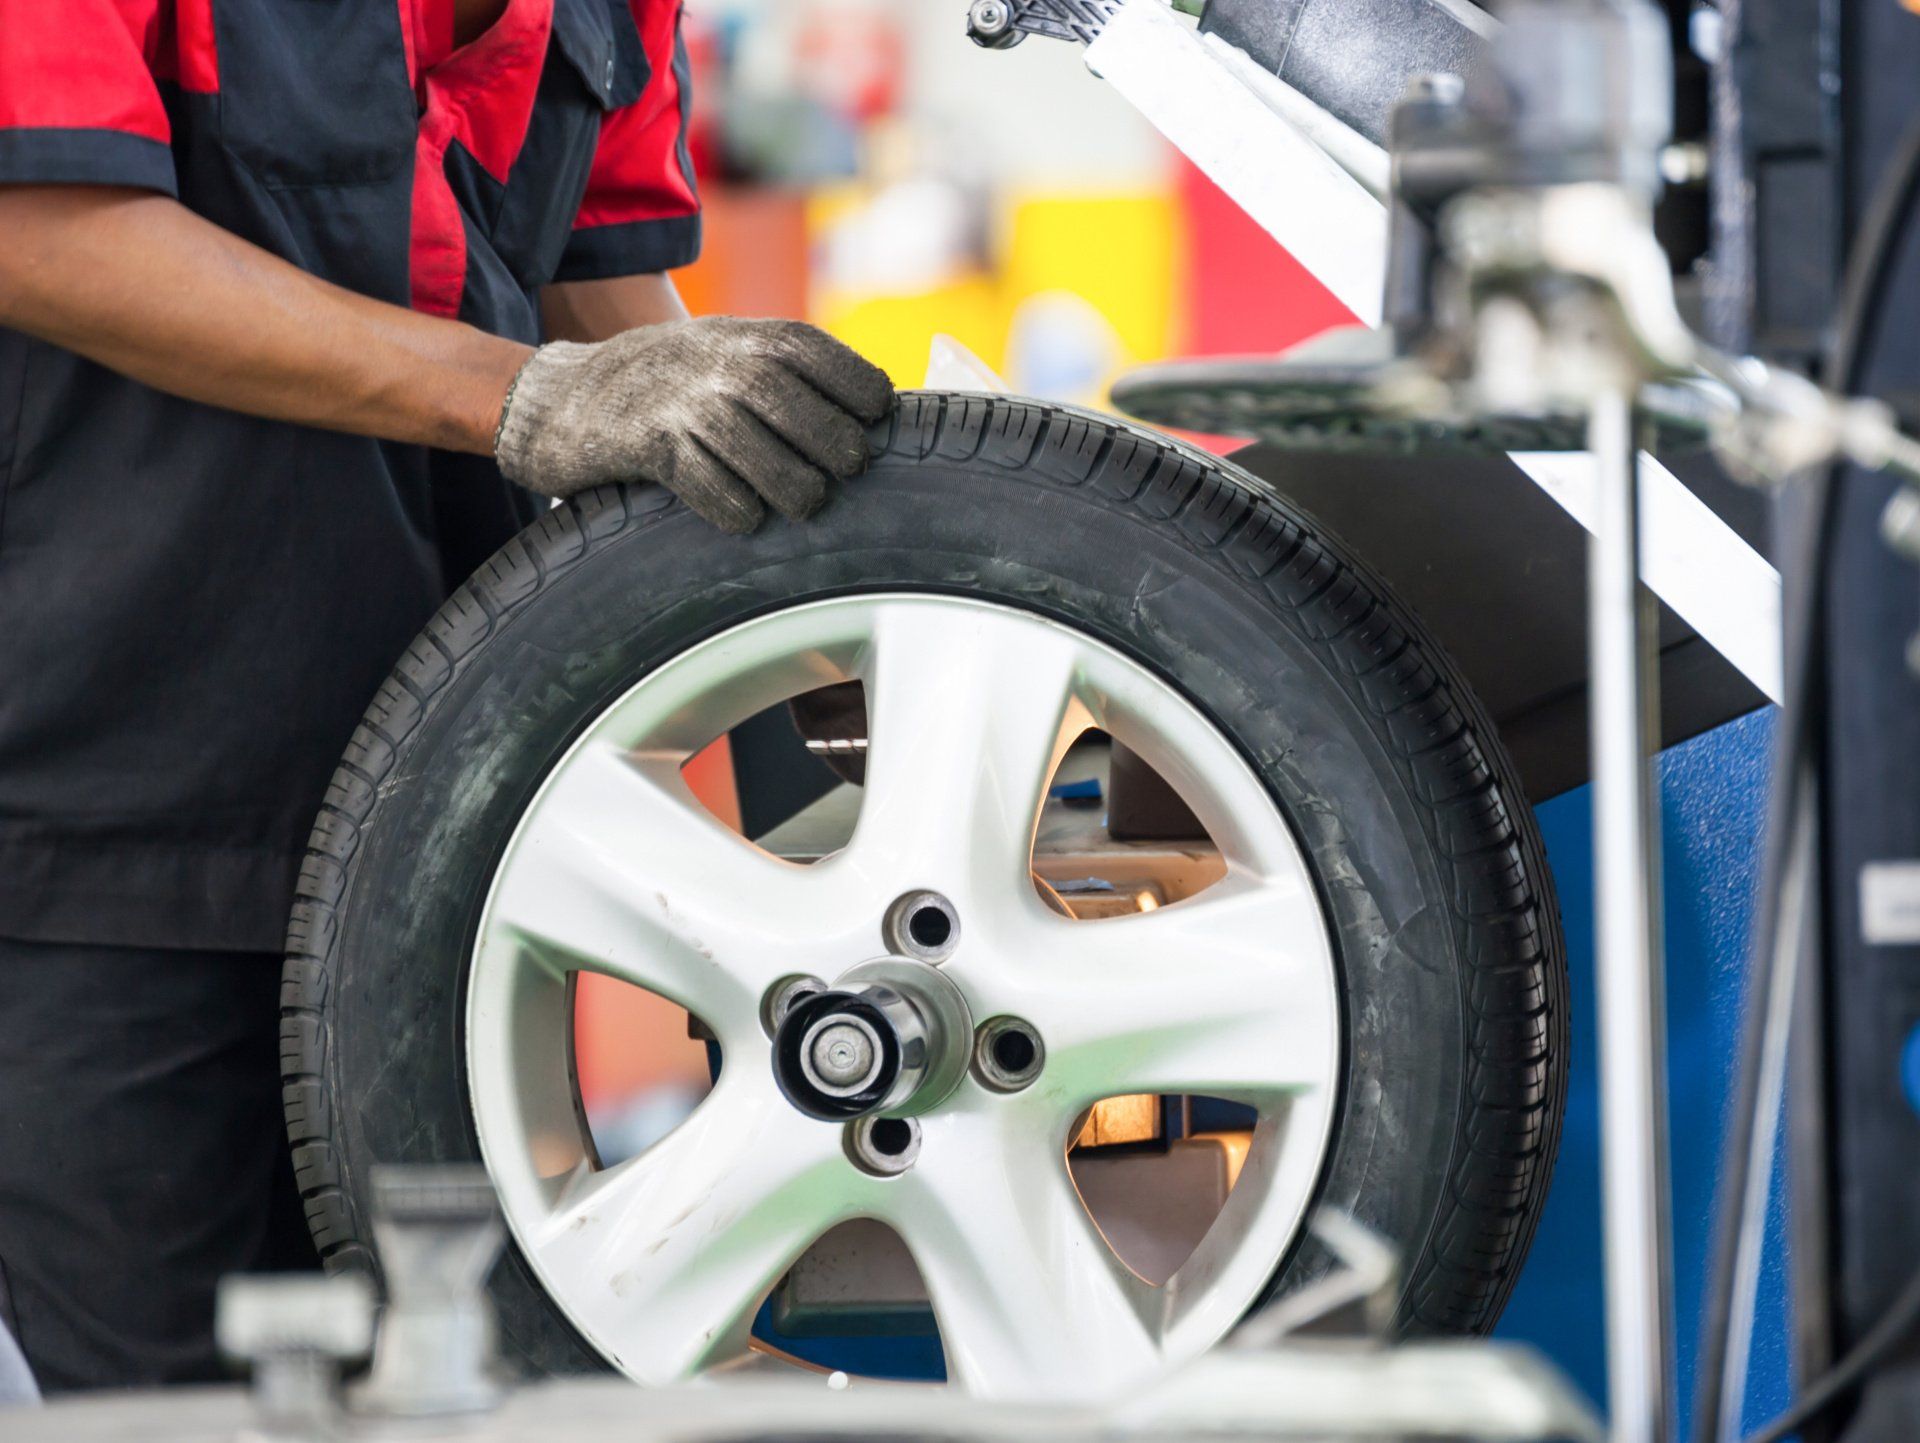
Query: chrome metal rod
x,y
1628,967
1783,976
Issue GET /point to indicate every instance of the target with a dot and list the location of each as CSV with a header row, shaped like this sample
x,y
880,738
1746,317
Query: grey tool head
x,y
433,1193
439,1233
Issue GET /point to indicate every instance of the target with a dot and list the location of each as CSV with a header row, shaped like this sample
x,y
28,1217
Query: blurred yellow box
x,y
1076,287
895,332
1121,253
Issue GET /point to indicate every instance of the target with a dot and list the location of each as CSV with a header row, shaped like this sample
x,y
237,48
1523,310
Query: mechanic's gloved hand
x,y
725,413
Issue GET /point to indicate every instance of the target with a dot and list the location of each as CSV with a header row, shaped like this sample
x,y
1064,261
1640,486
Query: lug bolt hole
x,y
1007,1054
891,1136
930,927
883,1146
1013,1052
922,925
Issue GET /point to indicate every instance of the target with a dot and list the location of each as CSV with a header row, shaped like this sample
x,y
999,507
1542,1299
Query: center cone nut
x,y
840,1054
891,1036
837,1055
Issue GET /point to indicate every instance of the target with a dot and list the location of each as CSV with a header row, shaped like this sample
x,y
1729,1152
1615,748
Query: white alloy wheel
x,y
661,1261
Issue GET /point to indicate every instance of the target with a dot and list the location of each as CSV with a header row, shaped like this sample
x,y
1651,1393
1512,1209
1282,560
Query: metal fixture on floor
x,y
439,1234
297,1331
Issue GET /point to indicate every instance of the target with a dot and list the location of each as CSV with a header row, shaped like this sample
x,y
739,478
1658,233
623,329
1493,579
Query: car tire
x,y
1425,852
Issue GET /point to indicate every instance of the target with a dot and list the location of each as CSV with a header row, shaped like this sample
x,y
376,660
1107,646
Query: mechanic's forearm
x,y
143,286
601,310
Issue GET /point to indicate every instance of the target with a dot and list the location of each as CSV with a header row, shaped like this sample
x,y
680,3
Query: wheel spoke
x,y
1228,994
1030,1300
619,870
666,1258
968,715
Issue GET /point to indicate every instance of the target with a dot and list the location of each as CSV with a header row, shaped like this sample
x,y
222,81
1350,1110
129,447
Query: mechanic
x,y
272,276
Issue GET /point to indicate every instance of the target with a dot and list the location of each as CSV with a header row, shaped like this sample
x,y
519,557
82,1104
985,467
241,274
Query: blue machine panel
x,y
1713,806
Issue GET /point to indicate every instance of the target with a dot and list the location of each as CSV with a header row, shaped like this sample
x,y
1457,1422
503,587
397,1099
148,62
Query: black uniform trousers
x,y
142,1155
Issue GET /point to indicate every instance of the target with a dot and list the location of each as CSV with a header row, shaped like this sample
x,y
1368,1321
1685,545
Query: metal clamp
x,y
1003,24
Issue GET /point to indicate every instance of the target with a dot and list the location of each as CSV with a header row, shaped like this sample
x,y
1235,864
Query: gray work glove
x,y
725,413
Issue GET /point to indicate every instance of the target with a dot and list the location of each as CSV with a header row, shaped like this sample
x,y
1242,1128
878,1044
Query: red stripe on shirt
x,y
481,96
188,54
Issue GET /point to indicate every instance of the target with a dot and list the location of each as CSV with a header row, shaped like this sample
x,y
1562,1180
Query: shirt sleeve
x,y
641,213
78,100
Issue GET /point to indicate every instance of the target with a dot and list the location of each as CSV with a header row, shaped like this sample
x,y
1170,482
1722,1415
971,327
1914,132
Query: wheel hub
x,y
889,1036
